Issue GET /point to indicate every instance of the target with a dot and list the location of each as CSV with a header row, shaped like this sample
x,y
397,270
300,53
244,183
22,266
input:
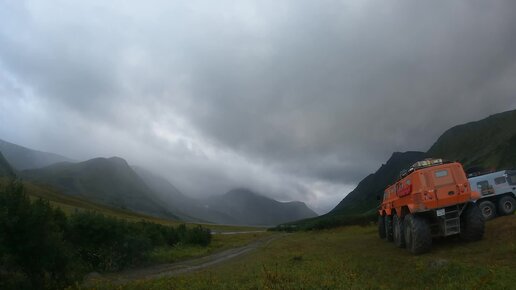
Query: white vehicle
x,y
498,191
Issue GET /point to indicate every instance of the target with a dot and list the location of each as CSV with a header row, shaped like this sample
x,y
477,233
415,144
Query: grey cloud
x,y
273,95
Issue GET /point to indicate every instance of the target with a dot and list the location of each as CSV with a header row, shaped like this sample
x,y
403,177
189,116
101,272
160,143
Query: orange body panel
x,y
427,189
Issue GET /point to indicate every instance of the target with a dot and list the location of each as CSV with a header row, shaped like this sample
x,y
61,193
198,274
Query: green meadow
x,y
355,258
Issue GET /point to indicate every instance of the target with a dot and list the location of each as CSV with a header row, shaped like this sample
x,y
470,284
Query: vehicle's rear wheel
x,y
471,223
506,205
381,227
418,237
388,228
488,209
397,232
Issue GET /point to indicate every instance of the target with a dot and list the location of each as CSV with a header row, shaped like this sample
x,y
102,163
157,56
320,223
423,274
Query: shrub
x,y
41,248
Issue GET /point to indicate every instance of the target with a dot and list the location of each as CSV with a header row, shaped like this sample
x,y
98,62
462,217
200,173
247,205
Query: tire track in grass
x,y
177,268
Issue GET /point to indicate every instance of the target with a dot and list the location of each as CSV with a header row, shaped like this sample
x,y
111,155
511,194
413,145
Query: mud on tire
x,y
471,223
418,237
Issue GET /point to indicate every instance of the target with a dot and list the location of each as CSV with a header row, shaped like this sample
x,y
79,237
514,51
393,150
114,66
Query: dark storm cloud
x,y
298,99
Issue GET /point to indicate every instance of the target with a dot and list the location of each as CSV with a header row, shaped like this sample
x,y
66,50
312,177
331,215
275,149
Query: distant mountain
x,y
23,158
237,207
110,181
5,167
249,208
488,143
187,208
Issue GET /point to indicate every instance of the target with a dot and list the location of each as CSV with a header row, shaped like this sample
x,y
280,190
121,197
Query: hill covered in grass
x,y
109,181
489,144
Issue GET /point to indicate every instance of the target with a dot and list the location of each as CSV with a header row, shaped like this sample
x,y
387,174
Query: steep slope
x,y
108,181
5,168
358,207
249,208
488,143
23,158
187,208
363,197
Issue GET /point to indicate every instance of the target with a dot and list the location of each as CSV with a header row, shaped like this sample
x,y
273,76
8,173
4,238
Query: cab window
x,y
483,185
441,173
511,178
500,180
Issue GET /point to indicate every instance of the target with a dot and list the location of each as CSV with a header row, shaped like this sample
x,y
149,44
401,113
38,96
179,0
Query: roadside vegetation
x,y
327,221
43,248
355,257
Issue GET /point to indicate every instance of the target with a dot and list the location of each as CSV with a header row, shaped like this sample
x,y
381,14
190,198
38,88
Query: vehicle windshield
x,y
511,177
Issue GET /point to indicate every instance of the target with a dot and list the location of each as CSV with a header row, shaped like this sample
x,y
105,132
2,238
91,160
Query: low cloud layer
x,y
294,99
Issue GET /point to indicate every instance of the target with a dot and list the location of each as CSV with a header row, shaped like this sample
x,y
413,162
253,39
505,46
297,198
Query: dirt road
x,y
183,266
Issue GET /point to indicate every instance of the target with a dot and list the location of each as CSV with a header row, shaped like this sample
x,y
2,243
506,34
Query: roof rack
x,y
428,162
481,172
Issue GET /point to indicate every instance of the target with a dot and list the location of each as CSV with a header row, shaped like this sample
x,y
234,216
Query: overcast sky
x,y
298,100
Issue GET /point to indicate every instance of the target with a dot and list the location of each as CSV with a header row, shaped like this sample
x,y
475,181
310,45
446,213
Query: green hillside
x,y
72,204
360,204
110,182
362,198
488,143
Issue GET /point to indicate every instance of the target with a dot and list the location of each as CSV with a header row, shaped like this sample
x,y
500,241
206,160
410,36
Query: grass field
x,y
355,258
218,243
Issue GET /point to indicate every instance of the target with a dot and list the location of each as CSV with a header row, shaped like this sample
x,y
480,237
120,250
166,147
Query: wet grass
x,y
355,258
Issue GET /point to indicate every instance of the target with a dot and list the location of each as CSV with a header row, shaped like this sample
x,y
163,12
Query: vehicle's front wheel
x,y
418,237
488,209
397,232
381,227
388,228
471,223
506,205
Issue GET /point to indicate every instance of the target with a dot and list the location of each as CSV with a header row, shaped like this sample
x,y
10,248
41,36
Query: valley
x,y
355,258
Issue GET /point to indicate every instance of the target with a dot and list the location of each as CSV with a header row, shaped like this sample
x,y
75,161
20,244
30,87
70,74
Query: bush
x,y
31,242
41,248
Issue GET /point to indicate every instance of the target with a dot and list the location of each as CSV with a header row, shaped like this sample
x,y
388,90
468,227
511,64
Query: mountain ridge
x,y
21,158
109,181
251,208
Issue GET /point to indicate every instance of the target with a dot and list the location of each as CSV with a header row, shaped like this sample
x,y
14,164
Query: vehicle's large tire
x,y
506,205
488,209
471,223
388,228
418,237
381,227
397,231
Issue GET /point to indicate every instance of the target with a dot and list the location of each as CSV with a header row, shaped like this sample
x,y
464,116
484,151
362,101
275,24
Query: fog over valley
x,y
295,100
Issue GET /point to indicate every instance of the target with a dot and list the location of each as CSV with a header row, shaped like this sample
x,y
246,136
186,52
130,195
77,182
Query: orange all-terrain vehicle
x,y
430,199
